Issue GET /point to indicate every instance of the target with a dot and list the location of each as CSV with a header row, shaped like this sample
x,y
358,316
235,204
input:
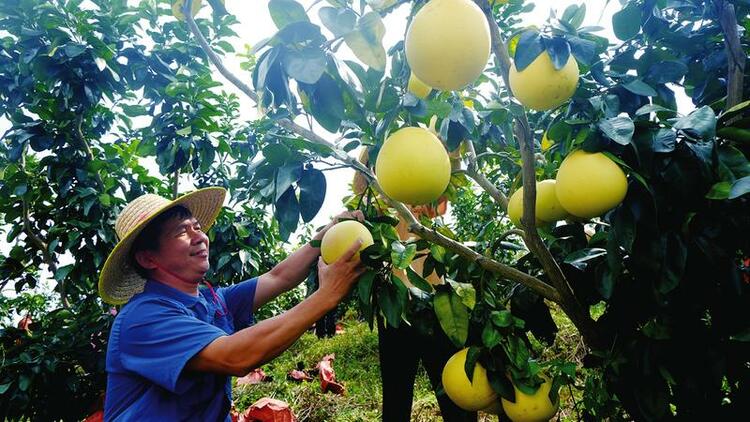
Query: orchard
x,y
574,185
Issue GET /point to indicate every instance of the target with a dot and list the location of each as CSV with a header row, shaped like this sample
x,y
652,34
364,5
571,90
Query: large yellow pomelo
x,y
448,44
413,166
472,396
548,208
531,408
590,184
417,87
540,86
177,8
339,238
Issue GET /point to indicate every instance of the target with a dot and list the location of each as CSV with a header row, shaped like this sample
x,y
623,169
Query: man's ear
x,y
145,259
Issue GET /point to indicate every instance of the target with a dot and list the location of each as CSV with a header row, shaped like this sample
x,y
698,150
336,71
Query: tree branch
x,y
40,244
87,150
736,65
510,273
496,267
575,311
472,171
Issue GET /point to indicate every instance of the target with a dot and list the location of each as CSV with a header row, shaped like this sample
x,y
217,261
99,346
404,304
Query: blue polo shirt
x,y
154,336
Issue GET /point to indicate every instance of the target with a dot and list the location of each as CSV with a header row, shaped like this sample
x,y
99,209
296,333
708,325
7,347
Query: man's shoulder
x,y
146,304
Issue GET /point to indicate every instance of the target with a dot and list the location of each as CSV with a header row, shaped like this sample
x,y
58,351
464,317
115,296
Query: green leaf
x,y
452,315
326,103
284,12
580,258
417,280
638,87
664,140
700,123
627,22
276,154
719,191
134,110
287,213
392,301
490,336
5,387
583,50
366,41
502,319
620,129
306,66
466,291
472,356
401,256
558,50
338,21
652,108
529,47
364,290
312,193
740,187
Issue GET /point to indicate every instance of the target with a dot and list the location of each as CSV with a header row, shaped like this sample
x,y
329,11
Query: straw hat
x,y
119,281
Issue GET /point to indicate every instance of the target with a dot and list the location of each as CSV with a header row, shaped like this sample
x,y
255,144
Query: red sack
x,y
268,410
256,376
328,376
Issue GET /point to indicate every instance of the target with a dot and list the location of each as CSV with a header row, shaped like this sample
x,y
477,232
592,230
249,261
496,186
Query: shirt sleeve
x,y
159,338
239,299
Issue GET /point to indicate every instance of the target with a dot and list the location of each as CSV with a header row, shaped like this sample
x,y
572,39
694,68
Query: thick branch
x,y
736,71
414,225
41,245
577,313
510,273
176,184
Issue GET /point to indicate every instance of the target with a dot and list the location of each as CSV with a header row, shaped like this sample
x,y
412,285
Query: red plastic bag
x,y
268,410
328,376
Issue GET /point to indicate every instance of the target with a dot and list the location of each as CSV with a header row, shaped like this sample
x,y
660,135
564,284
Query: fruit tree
x,y
579,186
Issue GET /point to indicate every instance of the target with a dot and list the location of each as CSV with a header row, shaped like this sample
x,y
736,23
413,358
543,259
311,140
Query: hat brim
x,y
119,281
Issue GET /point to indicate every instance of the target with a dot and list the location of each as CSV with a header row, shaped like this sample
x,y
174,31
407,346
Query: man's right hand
x,y
337,279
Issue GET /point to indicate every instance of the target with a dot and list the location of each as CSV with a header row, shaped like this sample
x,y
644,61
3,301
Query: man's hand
x,y
346,215
337,279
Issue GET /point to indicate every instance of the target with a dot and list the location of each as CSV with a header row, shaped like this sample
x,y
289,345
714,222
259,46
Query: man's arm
x,y
247,349
293,270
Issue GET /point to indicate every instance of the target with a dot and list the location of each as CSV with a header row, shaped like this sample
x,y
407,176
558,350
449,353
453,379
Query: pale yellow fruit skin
x,y
540,86
413,166
339,238
590,184
531,408
548,208
467,395
177,8
448,44
418,88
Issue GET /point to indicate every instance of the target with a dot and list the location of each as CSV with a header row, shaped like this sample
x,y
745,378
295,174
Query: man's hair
x,y
148,238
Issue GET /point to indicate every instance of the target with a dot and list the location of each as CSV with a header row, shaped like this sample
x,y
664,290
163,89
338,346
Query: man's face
x,y
183,248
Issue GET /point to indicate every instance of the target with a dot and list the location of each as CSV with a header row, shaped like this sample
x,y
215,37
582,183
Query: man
x,y
173,346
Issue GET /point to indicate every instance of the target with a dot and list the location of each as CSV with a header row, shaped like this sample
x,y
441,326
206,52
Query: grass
x,y
357,367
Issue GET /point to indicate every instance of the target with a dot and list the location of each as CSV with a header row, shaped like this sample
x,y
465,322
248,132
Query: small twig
x,y
87,150
473,172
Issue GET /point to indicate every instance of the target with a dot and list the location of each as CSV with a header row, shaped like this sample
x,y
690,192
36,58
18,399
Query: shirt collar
x,y
161,289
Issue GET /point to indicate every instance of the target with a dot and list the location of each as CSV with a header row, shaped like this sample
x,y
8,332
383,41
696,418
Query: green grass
x,y
357,367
